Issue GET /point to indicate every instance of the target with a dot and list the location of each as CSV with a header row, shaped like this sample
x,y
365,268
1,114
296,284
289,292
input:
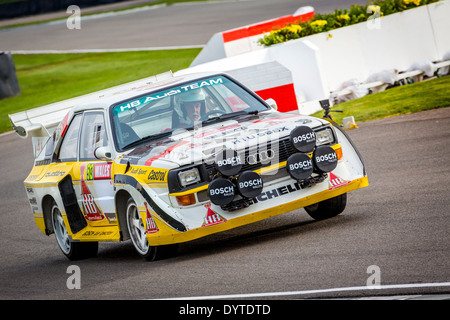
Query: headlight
x,y
188,177
324,136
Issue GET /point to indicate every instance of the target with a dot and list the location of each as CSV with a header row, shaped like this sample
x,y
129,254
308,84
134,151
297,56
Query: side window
x,y
68,150
93,135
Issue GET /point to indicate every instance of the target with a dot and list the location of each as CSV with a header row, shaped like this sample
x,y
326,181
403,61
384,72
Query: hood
x,y
185,147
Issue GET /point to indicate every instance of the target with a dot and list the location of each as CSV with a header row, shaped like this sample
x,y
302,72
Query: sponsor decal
x,y
275,193
221,191
225,191
303,139
90,172
151,225
164,94
299,166
336,182
32,177
96,233
249,184
220,132
263,156
260,134
98,171
325,158
157,175
102,171
91,211
138,171
228,162
56,173
212,218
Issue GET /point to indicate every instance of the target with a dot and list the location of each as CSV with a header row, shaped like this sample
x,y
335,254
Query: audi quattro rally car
x,y
170,161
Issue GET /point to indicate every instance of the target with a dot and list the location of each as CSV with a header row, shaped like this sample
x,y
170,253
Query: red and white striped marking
x,y
244,39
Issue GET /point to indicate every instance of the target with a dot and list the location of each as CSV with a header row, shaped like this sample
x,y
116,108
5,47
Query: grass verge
x,y
48,78
420,96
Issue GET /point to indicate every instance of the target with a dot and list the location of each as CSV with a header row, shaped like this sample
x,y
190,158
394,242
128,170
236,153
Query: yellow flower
x,y
416,2
319,23
343,17
294,28
374,8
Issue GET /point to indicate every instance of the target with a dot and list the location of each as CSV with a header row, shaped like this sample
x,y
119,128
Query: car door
x,y
95,187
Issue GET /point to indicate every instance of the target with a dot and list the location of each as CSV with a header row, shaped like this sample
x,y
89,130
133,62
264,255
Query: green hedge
x,y
340,18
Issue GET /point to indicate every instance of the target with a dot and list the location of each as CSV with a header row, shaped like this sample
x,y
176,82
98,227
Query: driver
x,y
192,106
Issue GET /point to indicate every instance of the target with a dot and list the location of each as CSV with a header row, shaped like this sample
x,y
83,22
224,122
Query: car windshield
x,y
159,113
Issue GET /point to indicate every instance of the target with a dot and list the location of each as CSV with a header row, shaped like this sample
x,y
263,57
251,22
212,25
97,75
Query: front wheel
x,y
72,250
328,208
136,229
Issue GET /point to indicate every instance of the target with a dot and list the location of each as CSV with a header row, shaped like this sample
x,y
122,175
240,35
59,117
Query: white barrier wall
x,y
394,42
321,63
440,21
245,39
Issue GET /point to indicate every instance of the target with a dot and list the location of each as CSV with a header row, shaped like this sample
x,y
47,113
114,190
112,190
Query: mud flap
x,y
74,215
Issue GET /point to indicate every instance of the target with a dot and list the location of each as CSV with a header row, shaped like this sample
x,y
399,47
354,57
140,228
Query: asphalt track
x,y
176,25
400,224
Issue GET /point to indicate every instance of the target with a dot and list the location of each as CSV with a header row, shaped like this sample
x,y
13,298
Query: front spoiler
x,y
167,237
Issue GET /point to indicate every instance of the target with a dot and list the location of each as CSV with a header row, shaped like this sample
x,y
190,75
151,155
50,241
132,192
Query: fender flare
x,y
128,180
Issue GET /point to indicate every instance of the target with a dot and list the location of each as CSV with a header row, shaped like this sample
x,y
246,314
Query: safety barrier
x,y
321,64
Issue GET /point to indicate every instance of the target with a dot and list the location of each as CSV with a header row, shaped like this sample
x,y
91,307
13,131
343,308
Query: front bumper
x,y
220,223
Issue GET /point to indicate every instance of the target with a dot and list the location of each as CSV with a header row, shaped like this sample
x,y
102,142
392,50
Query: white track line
x,y
105,50
291,293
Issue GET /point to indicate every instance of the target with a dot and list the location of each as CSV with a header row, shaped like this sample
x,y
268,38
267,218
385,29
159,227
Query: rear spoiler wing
x,y
40,122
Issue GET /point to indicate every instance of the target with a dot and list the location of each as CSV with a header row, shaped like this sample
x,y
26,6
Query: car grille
x,y
280,154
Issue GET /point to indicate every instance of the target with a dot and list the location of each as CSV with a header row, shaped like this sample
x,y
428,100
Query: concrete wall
x,y
399,40
321,63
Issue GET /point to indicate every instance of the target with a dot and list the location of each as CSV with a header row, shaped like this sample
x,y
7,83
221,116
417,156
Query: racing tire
x,y
328,208
136,230
72,250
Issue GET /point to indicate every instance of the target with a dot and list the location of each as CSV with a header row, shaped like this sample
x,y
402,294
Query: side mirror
x,y
103,153
272,103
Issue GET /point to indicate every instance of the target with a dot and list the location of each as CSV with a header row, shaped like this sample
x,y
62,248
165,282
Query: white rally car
x,y
172,159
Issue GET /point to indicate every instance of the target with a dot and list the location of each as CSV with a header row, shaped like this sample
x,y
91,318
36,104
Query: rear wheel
x,y
328,208
72,250
136,229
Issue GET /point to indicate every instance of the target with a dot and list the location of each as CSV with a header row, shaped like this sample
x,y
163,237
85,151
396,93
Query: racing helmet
x,y
191,97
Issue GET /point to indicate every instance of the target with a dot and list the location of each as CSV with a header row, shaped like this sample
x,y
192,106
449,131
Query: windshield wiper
x,y
150,137
227,116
